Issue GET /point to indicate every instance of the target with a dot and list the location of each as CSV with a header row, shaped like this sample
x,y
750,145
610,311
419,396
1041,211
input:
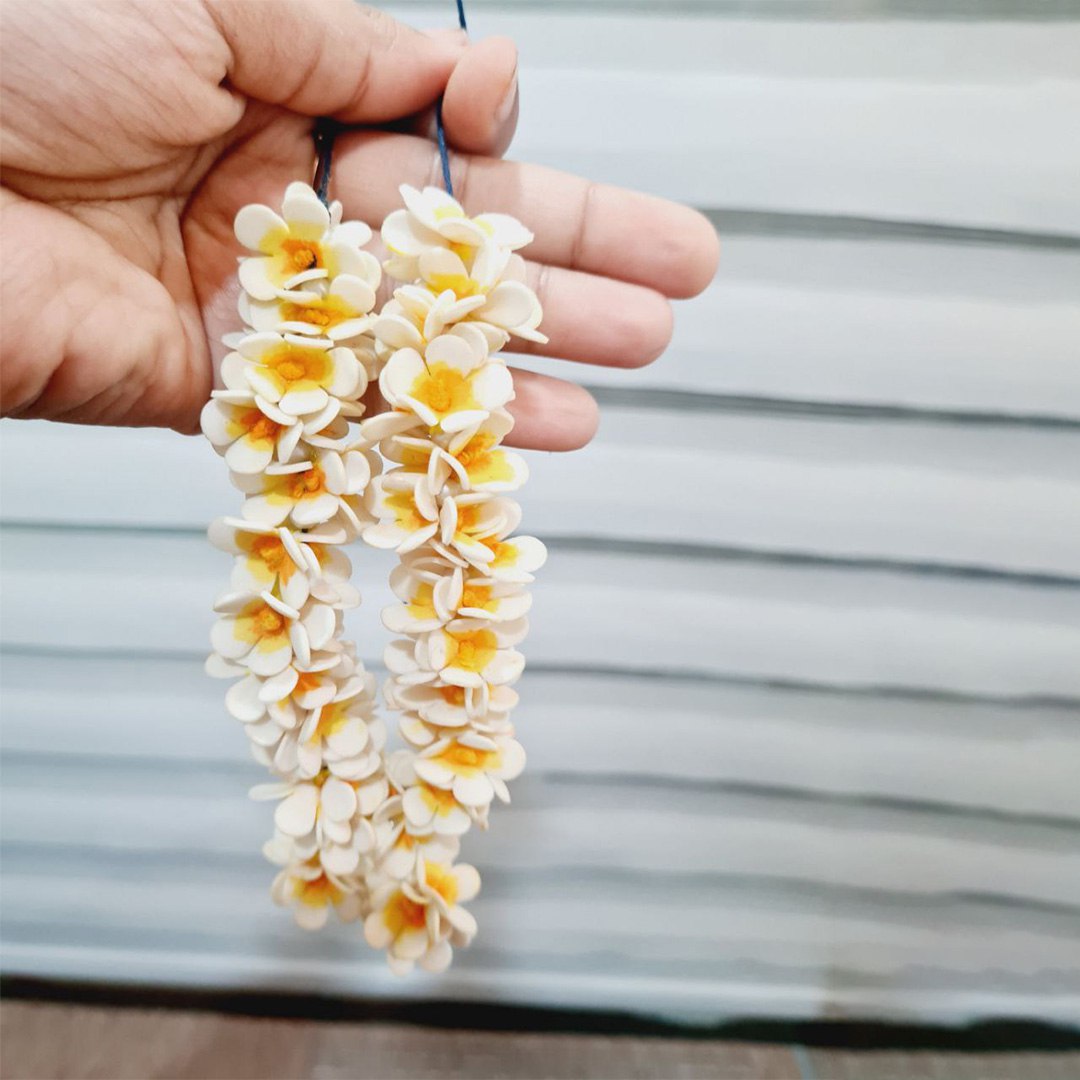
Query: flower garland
x,y
375,836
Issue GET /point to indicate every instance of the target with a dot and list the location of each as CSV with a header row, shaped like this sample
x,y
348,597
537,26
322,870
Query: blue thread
x,y
444,157
326,132
440,131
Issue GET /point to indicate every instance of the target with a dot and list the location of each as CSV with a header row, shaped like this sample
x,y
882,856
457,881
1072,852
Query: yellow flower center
x,y
422,605
258,427
444,390
306,681
476,449
472,651
325,312
331,720
478,596
294,364
504,553
301,255
318,892
441,802
404,510
453,695
441,879
268,622
295,487
467,760
260,625
401,912
271,552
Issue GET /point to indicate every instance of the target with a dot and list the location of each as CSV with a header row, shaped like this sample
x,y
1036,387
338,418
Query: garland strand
x,y
372,835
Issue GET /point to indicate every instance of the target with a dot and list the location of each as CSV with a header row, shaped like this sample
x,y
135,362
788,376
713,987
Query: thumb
x,y
333,58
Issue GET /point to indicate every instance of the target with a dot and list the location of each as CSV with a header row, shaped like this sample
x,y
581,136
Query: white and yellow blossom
x,y
306,242
327,817
472,460
434,220
416,315
419,920
475,767
470,652
247,431
451,386
263,633
308,492
267,558
405,511
433,592
311,892
484,707
303,377
339,309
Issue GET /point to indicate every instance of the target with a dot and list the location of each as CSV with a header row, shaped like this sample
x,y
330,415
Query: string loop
x,y
326,132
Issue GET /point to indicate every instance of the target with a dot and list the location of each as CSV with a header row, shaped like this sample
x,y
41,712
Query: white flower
x,y
473,766
396,848
419,920
338,310
305,492
427,809
287,695
433,593
469,652
305,243
474,526
311,892
434,220
327,817
484,707
343,735
451,386
416,315
247,431
475,529
267,558
406,512
263,633
472,459
434,241
301,375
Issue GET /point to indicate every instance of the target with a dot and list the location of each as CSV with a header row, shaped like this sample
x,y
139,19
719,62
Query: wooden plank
x,y
907,492
1019,760
912,1065
47,1041
106,591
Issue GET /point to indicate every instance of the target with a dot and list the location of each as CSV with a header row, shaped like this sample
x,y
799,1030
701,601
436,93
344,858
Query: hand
x,y
134,131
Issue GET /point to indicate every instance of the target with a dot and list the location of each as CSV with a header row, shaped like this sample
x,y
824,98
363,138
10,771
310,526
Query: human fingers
x,y
333,58
480,105
597,320
579,224
551,414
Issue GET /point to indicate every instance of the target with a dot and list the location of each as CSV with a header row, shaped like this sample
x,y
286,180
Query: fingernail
x,y
509,101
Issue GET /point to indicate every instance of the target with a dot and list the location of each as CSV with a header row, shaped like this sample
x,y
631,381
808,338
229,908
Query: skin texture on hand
x,y
133,130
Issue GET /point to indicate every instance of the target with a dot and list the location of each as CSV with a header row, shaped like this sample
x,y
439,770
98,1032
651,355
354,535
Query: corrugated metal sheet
x,y
803,706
